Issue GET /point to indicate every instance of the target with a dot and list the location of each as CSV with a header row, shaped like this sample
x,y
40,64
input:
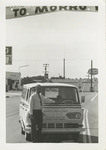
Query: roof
x,y
48,84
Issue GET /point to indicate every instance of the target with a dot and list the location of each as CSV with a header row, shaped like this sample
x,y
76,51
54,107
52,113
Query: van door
x,y
26,106
22,103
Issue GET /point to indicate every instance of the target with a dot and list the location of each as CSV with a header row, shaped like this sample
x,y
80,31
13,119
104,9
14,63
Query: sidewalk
x,y
13,93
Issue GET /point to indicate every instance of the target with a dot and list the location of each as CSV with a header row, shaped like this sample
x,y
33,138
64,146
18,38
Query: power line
x,y
75,59
41,60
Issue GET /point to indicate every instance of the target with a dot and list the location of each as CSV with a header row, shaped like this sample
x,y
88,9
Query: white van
x,y
65,115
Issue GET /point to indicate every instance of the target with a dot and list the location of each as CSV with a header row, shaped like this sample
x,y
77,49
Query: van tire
x,y
27,136
22,131
75,137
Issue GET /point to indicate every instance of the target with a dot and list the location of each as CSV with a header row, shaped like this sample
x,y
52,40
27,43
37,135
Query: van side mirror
x,y
82,99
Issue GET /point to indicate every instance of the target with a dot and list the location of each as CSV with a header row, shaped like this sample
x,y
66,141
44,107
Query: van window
x,y
32,90
62,95
51,92
24,93
27,98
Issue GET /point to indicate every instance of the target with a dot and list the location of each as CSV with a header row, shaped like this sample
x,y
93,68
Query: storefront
x,y
13,81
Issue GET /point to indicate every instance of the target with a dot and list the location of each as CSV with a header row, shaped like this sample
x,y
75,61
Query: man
x,y
35,109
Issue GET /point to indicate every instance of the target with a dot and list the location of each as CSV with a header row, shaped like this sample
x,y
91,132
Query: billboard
x,y
13,75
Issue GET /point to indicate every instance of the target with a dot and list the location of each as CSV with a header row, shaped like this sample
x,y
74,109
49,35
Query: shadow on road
x,y
67,139
54,138
94,139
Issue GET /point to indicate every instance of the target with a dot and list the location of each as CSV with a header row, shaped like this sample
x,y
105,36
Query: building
x,y
84,85
13,80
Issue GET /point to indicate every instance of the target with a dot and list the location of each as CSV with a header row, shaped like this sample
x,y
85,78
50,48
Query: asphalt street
x,y
90,135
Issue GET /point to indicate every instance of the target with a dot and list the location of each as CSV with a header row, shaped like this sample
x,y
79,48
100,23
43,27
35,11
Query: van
x,y
63,116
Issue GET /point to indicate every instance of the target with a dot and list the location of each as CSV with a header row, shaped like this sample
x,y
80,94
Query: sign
x,y
8,55
23,11
93,71
13,75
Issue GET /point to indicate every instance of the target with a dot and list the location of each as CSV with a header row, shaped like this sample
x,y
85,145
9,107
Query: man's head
x,y
38,89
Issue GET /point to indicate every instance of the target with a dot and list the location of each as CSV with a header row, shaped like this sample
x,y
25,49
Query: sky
x,y
51,37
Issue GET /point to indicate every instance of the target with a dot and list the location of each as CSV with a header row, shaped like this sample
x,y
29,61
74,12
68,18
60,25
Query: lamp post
x,y
22,67
20,73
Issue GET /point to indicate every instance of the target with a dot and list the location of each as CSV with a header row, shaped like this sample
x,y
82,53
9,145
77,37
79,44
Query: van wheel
x,y
22,131
27,136
75,137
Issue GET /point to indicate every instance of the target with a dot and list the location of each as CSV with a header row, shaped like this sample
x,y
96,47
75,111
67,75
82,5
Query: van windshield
x,y
61,95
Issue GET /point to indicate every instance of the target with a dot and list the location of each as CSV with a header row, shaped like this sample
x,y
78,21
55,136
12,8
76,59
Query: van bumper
x,y
66,131
57,131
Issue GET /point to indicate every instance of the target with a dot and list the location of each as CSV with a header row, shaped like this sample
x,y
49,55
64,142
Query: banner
x,y
23,11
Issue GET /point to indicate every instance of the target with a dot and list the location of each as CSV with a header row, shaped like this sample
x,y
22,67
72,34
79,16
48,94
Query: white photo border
x,y
102,78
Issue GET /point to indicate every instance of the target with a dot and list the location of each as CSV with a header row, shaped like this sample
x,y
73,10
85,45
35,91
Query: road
x,y
90,135
91,117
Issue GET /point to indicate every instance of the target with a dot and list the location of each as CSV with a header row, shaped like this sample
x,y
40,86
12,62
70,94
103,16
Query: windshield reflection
x,y
61,95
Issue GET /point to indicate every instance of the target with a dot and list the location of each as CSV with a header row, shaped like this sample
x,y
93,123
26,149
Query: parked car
x,y
64,115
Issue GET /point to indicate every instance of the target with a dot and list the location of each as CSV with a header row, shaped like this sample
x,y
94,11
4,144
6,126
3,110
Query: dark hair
x,y
38,86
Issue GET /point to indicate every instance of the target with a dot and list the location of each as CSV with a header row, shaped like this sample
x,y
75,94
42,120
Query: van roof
x,y
48,84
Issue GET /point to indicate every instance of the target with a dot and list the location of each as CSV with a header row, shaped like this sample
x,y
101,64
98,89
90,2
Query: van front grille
x,y
60,125
70,125
51,125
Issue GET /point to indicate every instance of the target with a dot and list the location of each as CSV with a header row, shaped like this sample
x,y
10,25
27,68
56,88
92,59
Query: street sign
x,y
93,71
8,55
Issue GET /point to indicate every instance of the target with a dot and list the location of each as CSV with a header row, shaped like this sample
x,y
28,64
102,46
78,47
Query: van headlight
x,y
77,115
73,115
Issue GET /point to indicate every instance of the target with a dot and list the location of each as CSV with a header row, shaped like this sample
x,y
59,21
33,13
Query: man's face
x,y
39,90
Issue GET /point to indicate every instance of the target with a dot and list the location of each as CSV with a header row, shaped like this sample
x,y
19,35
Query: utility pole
x,y
64,68
45,70
91,76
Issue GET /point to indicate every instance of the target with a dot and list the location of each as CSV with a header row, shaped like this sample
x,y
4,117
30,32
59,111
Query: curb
x,y
8,96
